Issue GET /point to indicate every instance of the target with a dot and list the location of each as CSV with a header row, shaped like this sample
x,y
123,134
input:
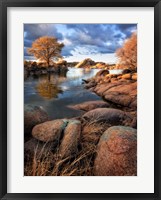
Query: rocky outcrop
x,y
119,90
117,152
90,105
35,68
124,95
33,115
85,63
101,142
88,63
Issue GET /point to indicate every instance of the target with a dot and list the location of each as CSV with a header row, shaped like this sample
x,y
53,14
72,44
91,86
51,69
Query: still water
x,y
57,94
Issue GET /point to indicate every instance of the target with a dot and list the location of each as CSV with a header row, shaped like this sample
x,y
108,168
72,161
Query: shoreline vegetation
x,y
100,142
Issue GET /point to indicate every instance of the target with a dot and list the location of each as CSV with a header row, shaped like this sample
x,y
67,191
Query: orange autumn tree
x,y
46,49
127,54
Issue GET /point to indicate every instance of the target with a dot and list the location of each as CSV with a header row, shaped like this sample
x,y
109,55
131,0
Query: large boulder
x,y
85,63
117,152
109,116
69,144
50,131
33,115
90,105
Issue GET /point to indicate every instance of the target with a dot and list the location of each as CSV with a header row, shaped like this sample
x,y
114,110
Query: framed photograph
x,y
80,99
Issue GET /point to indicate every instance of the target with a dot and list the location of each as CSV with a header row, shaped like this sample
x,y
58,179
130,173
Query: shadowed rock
x,y
33,115
102,72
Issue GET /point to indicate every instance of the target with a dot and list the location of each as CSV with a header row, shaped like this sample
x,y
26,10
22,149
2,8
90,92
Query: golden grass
x,y
79,165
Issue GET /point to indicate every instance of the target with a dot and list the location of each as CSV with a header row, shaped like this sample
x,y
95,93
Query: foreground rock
x,y
69,144
90,105
50,131
33,115
117,152
109,116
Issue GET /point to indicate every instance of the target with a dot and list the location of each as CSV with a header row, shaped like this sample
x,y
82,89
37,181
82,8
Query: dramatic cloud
x,y
81,39
34,31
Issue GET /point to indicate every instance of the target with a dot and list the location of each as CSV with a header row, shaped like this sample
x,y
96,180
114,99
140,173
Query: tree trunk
x,y
48,63
48,66
49,76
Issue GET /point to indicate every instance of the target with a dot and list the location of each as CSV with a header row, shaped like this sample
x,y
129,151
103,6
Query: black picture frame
x,y
4,4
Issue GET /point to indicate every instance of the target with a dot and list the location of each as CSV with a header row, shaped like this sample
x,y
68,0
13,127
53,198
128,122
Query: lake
x,y
57,94
116,71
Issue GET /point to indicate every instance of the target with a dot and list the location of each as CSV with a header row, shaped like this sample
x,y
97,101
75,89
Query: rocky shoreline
x,y
36,69
117,89
101,142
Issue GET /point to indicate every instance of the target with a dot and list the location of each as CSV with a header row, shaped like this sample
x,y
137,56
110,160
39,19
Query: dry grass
x,y
49,163
80,165
92,132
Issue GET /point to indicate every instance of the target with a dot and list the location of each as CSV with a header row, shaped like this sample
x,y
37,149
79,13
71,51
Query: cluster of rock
x,y
34,68
111,130
110,125
118,89
88,63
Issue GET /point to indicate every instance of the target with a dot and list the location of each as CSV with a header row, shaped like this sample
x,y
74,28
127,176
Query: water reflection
x,y
55,95
47,89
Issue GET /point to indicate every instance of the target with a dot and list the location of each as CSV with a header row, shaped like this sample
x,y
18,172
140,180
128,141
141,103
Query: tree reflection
x,y
47,89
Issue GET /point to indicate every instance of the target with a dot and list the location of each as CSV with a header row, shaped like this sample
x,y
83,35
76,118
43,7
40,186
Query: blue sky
x,y
96,41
